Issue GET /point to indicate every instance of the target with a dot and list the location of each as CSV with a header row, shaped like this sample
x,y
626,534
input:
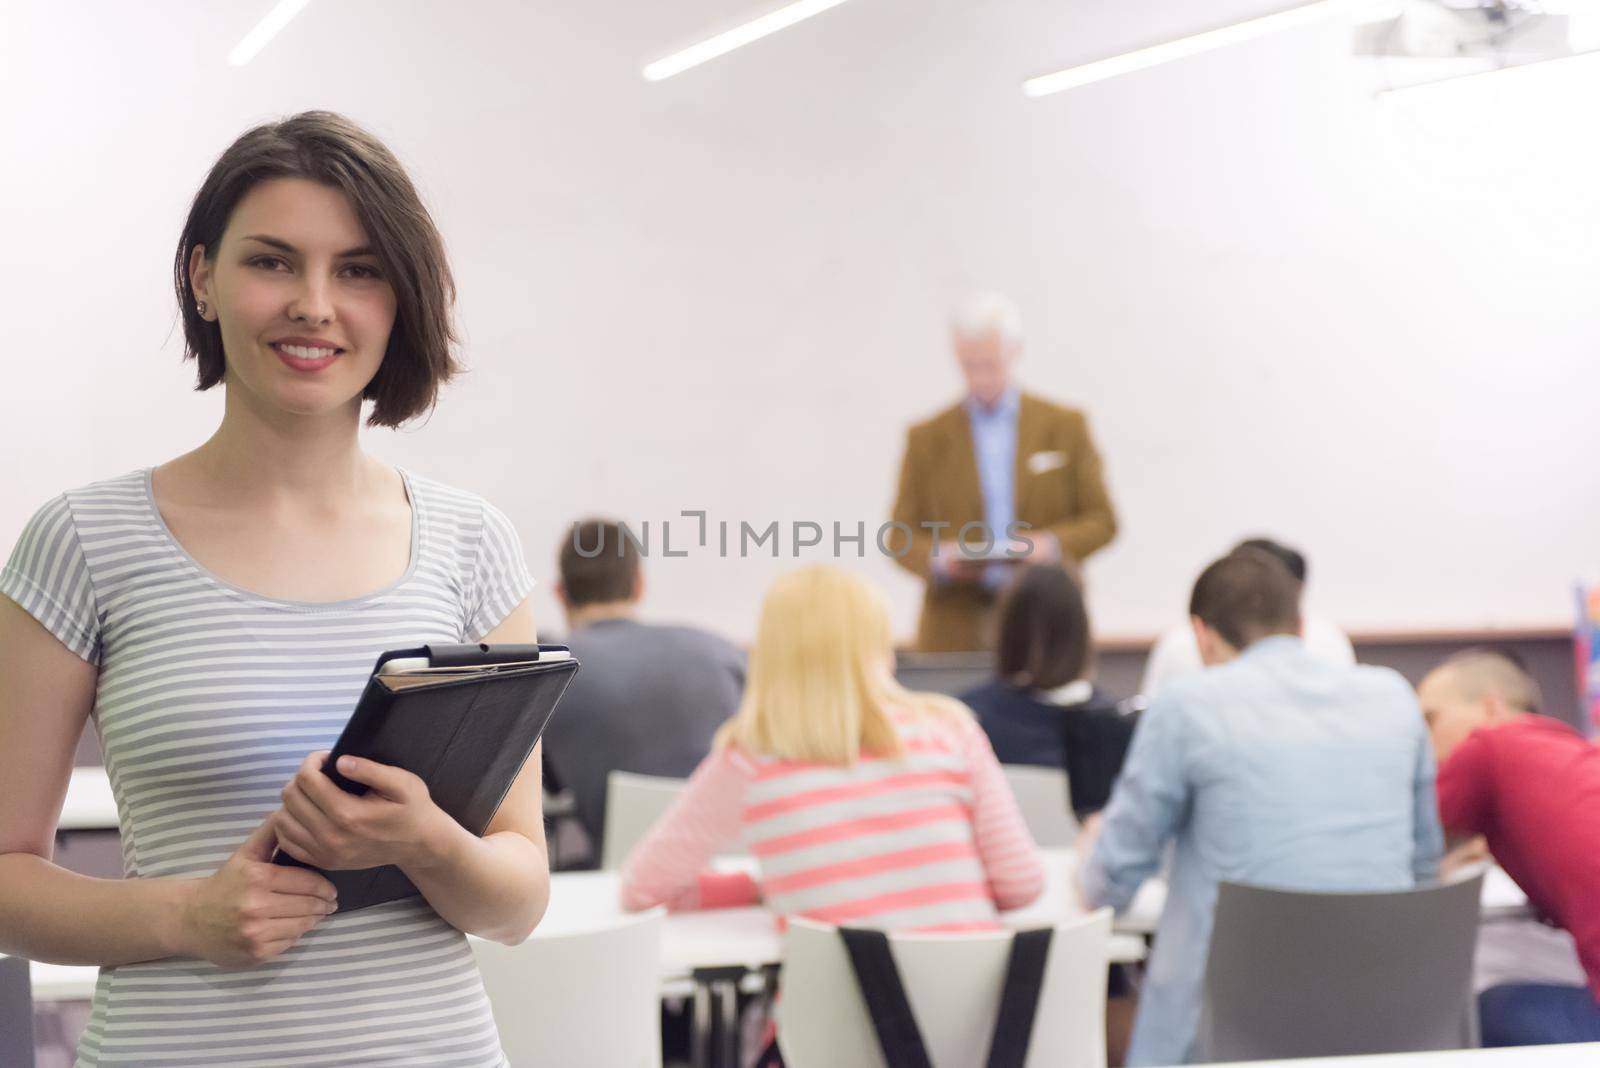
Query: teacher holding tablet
x,y
1019,473
218,615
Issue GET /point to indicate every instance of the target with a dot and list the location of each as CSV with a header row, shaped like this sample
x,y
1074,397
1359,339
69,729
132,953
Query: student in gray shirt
x,y
1272,768
649,696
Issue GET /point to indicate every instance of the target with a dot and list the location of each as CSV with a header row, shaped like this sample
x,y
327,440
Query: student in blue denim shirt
x,y
1270,768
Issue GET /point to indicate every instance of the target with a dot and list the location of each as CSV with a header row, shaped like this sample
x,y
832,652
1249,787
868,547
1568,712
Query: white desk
x,y
713,938
749,937
89,805
1586,1054
1502,898
62,982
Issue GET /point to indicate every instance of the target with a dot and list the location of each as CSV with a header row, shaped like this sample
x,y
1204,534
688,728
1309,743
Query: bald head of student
x,y
1475,688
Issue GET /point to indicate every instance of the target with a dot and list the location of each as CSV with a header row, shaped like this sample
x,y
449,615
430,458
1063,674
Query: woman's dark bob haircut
x,y
1044,629
324,147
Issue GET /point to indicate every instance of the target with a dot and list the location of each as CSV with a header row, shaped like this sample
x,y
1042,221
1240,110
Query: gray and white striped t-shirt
x,y
209,697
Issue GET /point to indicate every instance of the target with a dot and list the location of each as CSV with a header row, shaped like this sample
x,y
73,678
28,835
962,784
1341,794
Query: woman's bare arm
x,y
46,912
53,915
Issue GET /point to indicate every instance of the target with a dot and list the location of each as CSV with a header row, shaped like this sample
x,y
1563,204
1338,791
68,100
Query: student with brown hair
x,y
1042,706
1176,652
1272,768
650,696
216,617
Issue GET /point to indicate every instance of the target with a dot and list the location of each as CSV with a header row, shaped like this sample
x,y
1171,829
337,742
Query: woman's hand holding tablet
x,y
394,822
249,910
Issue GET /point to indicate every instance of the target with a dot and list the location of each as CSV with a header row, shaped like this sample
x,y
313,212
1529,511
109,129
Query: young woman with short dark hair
x,y
216,617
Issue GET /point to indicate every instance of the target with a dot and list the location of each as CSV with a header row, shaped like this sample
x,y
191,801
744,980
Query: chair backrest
x,y
1316,975
579,998
16,1013
1046,803
953,984
633,803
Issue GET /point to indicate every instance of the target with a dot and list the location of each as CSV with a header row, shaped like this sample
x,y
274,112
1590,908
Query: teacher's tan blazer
x,y
1059,487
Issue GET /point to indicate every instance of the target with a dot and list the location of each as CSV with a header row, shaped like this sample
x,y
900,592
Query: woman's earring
x,y
201,308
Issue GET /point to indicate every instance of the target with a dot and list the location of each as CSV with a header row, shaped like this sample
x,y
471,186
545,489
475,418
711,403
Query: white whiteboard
x,y
1368,328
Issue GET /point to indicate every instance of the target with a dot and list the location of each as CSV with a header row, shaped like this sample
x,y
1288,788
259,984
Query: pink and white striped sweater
x,y
932,840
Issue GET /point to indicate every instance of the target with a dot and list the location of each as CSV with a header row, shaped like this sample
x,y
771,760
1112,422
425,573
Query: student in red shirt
x,y
1531,786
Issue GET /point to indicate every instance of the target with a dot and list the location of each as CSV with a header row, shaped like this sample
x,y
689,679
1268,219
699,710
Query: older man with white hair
x,y
1000,477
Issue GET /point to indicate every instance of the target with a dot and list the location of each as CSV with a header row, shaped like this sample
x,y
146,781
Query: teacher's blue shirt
x,y
1277,770
994,443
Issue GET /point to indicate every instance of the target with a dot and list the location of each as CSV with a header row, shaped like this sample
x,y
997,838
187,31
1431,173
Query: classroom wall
x,y
1365,326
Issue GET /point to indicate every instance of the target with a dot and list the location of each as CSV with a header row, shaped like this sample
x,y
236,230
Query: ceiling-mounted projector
x,y
1506,31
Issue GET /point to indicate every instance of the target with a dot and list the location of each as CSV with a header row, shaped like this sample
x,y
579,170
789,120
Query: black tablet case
x,y
466,737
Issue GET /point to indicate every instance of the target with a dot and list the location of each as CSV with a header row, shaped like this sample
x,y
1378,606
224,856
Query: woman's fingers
x,y
267,936
318,789
305,812
295,907
295,927
299,881
279,939
278,928
390,782
259,845
295,839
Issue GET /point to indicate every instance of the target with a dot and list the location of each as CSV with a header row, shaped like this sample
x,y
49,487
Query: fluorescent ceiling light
x,y
1101,69
1479,75
264,31
737,37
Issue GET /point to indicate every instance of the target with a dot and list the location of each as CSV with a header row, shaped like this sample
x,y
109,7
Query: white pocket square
x,y
1040,462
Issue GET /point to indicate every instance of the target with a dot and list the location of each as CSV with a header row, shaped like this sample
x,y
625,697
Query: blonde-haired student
x,y
863,803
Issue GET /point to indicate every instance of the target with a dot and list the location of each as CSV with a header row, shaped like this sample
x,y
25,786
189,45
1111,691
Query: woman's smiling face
x,y
301,300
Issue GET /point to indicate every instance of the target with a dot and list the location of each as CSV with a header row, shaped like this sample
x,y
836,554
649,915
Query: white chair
x,y
579,998
1046,804
633,803
953,984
